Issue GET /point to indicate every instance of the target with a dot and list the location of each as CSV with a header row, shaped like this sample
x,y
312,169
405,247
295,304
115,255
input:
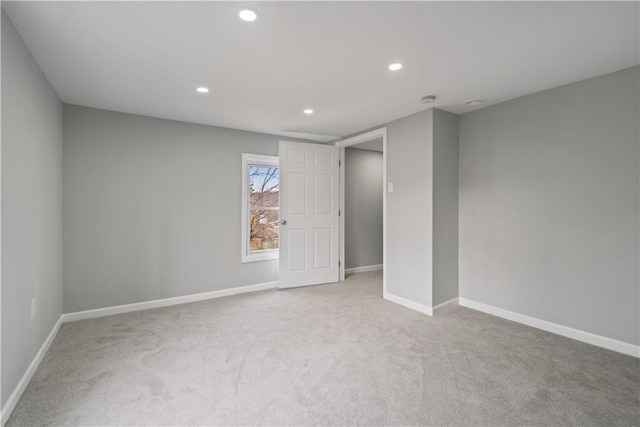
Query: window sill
x,y
268,256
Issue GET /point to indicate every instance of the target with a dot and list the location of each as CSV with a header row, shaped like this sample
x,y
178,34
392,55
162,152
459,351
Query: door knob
x,y
283,221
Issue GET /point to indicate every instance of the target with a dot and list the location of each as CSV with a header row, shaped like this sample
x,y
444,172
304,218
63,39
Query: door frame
x,y
348,142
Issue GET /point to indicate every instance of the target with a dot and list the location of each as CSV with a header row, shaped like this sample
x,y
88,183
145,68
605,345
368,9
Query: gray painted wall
x,y
363,207
422,164
445,206
152,208
31,207
549,205
409,207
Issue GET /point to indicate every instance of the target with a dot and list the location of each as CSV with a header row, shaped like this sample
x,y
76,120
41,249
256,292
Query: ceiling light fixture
x,y
428,99
395,66
203,89
474,101
248,15
308,111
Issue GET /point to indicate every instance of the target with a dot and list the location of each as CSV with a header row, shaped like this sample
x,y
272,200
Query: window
x,y
260,207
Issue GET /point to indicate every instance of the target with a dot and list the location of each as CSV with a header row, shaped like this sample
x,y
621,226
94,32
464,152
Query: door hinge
x,y
338,263
339,212
339,163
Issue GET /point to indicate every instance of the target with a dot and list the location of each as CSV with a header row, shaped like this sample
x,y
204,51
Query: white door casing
x,y
309,221
353,141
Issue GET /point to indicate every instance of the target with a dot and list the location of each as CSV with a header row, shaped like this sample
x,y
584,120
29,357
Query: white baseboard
x,y
441,308
565,331
33,366
363,269
408,303
165,302
108,311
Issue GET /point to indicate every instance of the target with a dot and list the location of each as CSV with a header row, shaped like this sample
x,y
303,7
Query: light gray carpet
x,y
326,355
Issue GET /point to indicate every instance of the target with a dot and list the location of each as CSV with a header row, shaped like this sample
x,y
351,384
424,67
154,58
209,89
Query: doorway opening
x,y
375,140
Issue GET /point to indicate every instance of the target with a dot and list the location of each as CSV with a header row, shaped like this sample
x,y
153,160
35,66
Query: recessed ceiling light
x,y
395,66
474,101
248,15
308,111
203,89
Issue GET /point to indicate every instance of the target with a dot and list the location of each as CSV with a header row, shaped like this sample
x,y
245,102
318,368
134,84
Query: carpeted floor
x,y
335,354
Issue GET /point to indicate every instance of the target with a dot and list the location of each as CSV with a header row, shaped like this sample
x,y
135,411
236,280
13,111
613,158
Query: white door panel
x,y
309,202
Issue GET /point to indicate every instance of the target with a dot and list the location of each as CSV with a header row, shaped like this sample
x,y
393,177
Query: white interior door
x,y
309,222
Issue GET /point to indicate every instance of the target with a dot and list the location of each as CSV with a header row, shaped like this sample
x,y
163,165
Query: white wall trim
x,y
165,302
363,137
441,308
33,366
408,303
363,269
108,311
565,331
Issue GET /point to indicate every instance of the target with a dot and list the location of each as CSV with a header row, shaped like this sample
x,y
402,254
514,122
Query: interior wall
x,y
445,206
363,207
549,205
152,208
31,208
422,165
410,208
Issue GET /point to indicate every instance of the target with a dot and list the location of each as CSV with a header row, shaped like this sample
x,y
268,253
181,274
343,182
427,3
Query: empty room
x,y
320,213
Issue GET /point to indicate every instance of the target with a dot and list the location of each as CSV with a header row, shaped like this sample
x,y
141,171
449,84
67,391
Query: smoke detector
x,y
428,99
474,101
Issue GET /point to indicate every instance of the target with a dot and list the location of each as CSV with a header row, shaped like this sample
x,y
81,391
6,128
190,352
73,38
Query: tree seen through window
x,y
264,188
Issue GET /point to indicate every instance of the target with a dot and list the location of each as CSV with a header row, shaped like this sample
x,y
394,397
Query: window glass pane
x,y
264,193
263,229
264,182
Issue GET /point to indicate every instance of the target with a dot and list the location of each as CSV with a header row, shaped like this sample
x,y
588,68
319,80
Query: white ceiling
x,y
148,57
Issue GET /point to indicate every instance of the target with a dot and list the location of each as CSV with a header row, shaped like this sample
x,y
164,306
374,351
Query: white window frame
x,y
247,160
